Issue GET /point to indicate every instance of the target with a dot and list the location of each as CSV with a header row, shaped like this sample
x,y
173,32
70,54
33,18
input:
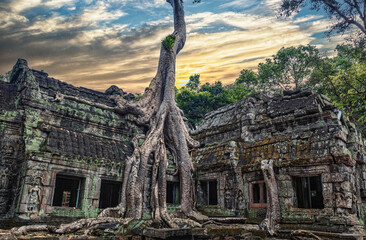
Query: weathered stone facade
x,y
61,156
42,138
314,148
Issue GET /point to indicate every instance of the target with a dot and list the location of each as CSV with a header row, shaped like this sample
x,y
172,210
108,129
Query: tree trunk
x,y
271,222
167,132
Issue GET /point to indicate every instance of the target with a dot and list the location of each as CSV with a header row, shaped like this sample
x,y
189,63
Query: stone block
x,y
284,177
337,220
332,177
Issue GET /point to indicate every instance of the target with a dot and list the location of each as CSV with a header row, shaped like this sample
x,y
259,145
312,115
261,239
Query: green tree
x,y
194,82
247,78
196,100
290,68
236,92
194,105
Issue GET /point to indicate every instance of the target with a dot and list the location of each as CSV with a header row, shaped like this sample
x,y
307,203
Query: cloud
x,y
95,46
8,19
238,4
54,4
18,6
99,13
221,55
83,29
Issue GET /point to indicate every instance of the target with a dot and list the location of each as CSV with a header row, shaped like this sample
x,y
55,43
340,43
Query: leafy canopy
x,y
289,68
196,100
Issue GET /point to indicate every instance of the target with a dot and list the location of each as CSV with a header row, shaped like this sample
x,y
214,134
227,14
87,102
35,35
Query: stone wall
x,y
307,139
11,149
43,137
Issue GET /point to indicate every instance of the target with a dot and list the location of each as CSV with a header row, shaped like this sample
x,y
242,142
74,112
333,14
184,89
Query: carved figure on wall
x,y
229,192
240,200
33,199
4,181
9,148
228,199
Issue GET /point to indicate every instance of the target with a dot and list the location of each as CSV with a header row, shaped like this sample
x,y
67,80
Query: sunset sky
x,y
98,43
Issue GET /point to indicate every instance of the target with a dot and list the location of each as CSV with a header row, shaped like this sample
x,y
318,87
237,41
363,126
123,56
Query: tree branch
x,y
179,25
344,17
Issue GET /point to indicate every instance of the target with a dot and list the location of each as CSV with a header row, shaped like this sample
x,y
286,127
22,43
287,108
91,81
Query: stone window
x,y
309,192
67,191
172,193
110,194
209,192
258,194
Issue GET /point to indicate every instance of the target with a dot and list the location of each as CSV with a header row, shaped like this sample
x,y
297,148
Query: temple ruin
x,y
62,157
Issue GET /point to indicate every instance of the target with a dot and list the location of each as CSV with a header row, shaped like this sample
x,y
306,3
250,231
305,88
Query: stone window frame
x,y
306,171
81,190
295,203
108,181
251,203
207,182
213,176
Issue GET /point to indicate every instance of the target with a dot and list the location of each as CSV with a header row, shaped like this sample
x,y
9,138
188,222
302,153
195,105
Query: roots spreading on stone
x,y
167,132
88,224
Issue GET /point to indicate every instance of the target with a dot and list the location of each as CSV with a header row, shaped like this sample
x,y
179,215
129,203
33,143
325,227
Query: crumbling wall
x,y
11,149
306,138
58,137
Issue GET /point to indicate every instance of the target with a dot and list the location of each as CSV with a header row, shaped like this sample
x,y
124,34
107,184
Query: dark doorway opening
x,y
110,194
172,193
67,191
309,192
209,192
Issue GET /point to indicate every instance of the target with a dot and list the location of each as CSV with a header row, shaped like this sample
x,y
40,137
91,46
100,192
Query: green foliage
x,y
194,105
138,96
196,100
290,68
236,92
194,82
247,78
168,42
343,80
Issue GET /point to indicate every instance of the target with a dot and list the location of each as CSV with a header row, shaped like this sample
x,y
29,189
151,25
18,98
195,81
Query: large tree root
x,y
167,135
271,222
304,235
88,224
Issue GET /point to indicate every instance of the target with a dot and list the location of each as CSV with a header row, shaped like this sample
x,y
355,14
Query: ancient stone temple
x,y
62,153
59,157
318,157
